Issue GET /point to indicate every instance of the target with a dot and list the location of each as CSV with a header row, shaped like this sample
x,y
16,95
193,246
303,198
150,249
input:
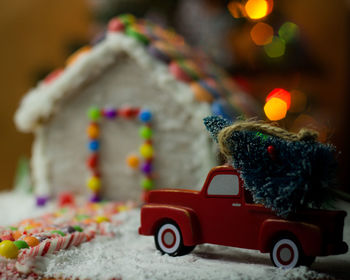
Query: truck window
x,y
224,184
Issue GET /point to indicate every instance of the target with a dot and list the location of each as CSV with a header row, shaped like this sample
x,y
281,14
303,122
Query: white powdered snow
x,y
131,256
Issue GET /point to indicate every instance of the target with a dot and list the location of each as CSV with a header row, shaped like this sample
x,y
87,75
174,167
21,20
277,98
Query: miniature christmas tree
x,y
284,171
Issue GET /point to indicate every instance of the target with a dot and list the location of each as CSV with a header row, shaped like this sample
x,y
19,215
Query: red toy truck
x,y
223,213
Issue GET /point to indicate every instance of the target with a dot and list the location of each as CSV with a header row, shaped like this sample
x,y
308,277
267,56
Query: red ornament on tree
x,y
272,152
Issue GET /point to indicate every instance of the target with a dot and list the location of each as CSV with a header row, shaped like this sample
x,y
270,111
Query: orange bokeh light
x,y
257,9
280,93
236,9
261,33
275,109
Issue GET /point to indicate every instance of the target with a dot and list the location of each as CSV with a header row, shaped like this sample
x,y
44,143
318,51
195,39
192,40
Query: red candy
x,y
115,25
129,112
92,161
179,74
66,198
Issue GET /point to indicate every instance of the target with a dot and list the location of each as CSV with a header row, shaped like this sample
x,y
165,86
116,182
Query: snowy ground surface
x,y
130,256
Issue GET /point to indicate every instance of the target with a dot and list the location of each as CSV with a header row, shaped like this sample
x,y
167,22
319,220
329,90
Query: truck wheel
x,y
285,253
168,240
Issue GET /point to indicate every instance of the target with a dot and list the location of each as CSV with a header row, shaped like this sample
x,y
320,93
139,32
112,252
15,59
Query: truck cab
x,y
224,213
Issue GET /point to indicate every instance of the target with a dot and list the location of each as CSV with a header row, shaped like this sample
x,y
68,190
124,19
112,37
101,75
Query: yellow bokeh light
x,y
256,9
261,33
275,109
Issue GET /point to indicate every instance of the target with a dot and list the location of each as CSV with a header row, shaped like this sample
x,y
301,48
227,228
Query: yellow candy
x,y
8,249
93,131
100,219
122,208
94,184
146,150
133,161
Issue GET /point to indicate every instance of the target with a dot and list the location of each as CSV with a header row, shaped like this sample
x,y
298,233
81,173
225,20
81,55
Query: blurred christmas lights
x,y
281,94
258,9
275,109
288,31
236,9
276,48
277,104
261,34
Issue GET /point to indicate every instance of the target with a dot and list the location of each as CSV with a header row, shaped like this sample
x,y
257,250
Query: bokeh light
x,y
288,31
257,9
236,9
261,33
275,109
299,101
281,94
276,48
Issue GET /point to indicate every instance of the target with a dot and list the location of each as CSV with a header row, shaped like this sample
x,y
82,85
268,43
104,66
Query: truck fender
x,y
154,215
308,235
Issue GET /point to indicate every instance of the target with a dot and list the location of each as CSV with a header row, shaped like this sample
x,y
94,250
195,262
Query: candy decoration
x,y
53,76
17,234
110,113
133,161
66,198
78,54
94,114
145,116
146,150
127,19
100,219
95,198
201,93
129,112
92,161
146,132
93,131
31,241
133,32
94,184
21,244
178,72
147,184
94,145
158,54
116,25
41,200
58,232
8,249
146,168
78,228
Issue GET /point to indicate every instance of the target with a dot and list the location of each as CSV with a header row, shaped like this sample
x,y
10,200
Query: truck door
x,y
222,210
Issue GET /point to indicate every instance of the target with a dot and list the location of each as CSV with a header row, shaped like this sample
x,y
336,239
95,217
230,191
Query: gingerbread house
x,y
125,110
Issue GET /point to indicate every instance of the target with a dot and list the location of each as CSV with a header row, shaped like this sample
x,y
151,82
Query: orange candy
x,y
93,131
17,234
31,241
200,93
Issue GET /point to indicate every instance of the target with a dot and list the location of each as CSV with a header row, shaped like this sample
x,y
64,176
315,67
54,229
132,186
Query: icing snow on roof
x,y
163,52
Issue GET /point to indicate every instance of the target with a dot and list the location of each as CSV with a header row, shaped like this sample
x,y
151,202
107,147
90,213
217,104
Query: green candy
x,y
21,244
147,184
132,32
13,228
78,228
58,232
94,113
145,132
